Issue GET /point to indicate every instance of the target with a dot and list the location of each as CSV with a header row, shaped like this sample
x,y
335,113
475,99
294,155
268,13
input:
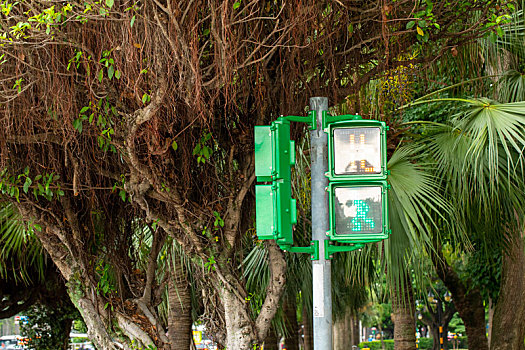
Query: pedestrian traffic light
x,y
276,211
358,211
358,191
357,150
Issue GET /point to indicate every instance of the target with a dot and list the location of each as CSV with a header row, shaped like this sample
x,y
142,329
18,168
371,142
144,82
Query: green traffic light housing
x,y
357,150
358,211
276,210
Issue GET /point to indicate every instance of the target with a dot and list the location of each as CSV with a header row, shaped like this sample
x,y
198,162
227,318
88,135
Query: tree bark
x,y
66,326
508,328
272,340
467,300
290,315
353,322
240,333
179,318
404,321
340,334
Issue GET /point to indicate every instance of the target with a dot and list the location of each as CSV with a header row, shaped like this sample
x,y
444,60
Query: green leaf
x,y
110,3
84,109
27,183
174,145
132,22
111,71
77,124
100,75
410,24
117,74
236,4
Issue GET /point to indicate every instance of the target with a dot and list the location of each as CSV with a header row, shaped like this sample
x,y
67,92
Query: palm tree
x,y
480,154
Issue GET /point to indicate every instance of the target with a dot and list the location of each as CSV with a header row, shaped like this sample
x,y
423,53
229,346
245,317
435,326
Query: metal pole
x,y
321,269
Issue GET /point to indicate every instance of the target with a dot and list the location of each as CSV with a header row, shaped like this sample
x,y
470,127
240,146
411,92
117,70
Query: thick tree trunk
x,y
272,340
467,300
508,328
341,336
290,315
240,333
404,321
179,318
308,335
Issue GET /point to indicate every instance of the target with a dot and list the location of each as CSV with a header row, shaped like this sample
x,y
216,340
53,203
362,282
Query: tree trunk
x,y
508,328
380,328
341,336
467,300
353,322
179,317
290,315
491,317
240,333
436,338
404,321
308,335
272,340
66,326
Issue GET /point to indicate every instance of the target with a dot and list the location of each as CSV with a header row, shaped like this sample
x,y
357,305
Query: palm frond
x,y
21,255
417,209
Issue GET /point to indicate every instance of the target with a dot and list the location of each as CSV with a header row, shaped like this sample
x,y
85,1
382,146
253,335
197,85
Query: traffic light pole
x,y
321,269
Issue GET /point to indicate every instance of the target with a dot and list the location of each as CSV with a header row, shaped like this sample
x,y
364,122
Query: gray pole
x,y
321,269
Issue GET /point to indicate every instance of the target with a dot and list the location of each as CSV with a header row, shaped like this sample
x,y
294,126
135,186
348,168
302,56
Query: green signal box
x,y
264,212
357,150
358,211
263,153
357,170
286,207
274,151
283,157
276,210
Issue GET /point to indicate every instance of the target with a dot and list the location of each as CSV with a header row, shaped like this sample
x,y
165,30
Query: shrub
x,y
426,343
376,344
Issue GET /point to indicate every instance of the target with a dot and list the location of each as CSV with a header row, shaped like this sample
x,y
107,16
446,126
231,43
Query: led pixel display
x,y
358,210
357,151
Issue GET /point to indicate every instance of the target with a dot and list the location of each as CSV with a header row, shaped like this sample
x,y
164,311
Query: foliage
x,y
427,343
48,328
456,325
376,344
376,313
99,93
